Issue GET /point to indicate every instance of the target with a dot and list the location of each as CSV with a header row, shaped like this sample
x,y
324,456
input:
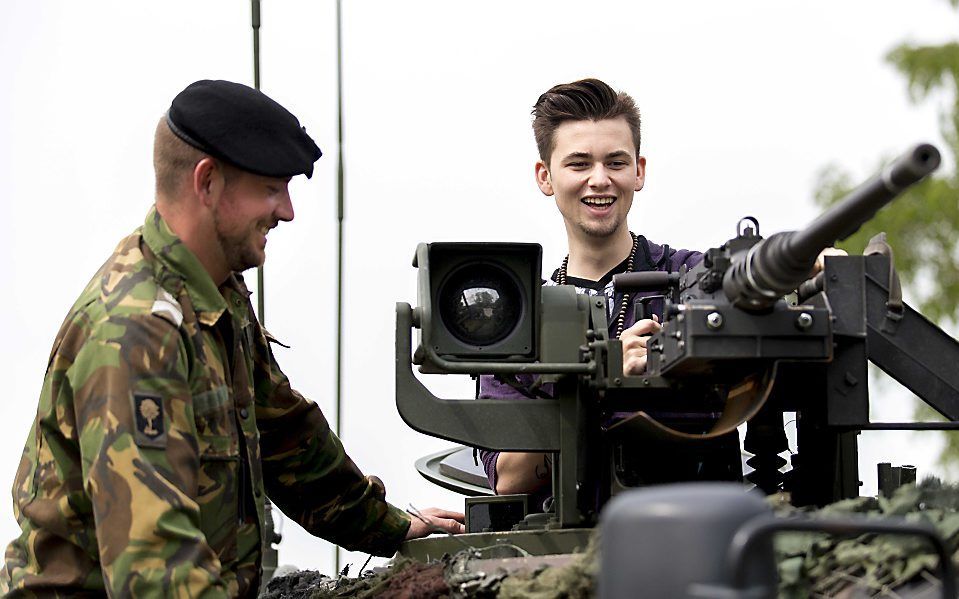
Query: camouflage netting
x,y
450,577
810,564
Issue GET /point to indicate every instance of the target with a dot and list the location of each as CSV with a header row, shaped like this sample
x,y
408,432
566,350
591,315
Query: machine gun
x,y
729,338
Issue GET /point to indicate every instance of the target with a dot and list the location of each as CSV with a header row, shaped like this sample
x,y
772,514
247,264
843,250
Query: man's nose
x,y
284,210
599,177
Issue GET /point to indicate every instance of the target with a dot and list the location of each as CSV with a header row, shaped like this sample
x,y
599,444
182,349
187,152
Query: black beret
x,y
244,127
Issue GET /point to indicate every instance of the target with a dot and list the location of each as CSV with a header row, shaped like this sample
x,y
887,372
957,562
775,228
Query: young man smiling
x,y
588,137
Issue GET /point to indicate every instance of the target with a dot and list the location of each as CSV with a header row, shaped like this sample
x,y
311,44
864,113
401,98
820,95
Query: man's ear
x,y
640,173
207,181
543,179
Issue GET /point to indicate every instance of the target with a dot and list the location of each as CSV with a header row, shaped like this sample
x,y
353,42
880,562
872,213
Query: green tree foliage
x,y
922,226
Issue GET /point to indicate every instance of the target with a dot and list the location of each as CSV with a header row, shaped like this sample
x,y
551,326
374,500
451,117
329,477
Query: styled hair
x,y
587,99
172,160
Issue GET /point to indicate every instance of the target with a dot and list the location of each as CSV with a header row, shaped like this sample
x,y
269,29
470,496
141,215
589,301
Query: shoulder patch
x,y
166,307
148,415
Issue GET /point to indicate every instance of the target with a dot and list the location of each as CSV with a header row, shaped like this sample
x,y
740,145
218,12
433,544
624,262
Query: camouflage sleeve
x,y
138,451
310,477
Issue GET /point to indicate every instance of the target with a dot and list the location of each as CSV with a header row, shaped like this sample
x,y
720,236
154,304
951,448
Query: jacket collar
x,y
207,300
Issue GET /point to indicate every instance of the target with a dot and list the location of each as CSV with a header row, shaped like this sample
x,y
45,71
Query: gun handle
x,y
639,311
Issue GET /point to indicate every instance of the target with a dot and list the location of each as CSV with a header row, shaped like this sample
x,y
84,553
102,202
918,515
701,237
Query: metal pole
x,y
270,554
255,4
339,235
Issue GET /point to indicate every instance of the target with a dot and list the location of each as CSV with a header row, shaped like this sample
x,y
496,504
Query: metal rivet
x,y
804,321
714,320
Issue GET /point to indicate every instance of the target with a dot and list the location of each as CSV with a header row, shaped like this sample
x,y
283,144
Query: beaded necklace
x,y
621,316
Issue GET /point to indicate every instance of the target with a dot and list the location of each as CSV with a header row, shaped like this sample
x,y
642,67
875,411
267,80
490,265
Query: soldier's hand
x,y
821,258
634,345
427,521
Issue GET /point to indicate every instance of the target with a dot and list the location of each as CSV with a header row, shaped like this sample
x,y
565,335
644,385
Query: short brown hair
x,y
172,159
587,99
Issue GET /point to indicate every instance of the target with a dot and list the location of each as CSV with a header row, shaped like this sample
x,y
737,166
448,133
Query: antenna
x,y
339,236
270,554
255,21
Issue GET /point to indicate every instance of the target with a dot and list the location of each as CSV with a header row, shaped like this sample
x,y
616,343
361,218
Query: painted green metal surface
x,y
500,544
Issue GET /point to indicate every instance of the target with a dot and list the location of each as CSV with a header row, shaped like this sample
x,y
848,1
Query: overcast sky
x,y
743,103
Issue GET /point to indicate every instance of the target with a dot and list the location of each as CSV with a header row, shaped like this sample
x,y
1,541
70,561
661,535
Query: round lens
x,y
480,304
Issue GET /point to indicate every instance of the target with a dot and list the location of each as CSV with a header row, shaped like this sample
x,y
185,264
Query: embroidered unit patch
x,y
148,412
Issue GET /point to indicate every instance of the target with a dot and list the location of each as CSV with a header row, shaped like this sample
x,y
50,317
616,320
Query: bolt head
x,y
804,321
714,320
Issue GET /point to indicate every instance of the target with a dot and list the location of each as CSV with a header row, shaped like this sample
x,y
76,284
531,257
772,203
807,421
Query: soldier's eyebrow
x,y
577,155
618,154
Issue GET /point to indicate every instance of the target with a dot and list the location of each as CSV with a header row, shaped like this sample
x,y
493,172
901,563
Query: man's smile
x,y
600,203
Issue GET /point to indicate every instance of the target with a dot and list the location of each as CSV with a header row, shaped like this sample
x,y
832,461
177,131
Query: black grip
x,y
649,280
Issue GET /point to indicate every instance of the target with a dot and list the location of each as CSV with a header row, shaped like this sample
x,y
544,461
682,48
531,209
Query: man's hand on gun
x,y
634,345
821,259
429,520
635,337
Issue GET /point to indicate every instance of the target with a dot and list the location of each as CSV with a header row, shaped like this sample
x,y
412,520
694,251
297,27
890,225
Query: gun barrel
x,y
780,263
857,208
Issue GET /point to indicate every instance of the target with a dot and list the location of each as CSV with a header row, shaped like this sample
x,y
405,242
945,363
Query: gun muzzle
x,y
780,263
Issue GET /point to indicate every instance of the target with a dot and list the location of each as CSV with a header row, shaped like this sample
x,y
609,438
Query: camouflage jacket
x,y
145,471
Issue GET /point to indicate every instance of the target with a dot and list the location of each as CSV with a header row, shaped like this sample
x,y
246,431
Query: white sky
x,y
743,102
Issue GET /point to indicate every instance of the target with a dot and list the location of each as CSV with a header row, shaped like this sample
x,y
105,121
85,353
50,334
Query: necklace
x,y
621,316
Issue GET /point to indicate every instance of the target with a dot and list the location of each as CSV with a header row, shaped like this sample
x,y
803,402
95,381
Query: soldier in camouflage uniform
x,y
164,420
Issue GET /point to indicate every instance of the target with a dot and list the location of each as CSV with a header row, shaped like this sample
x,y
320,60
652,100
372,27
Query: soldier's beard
x,y
242,250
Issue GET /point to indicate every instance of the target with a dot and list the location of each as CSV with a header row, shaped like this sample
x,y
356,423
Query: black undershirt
x,y
599,285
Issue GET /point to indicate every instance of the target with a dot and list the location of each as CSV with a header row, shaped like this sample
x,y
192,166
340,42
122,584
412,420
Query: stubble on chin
x,y
238,253
246,257
599,230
